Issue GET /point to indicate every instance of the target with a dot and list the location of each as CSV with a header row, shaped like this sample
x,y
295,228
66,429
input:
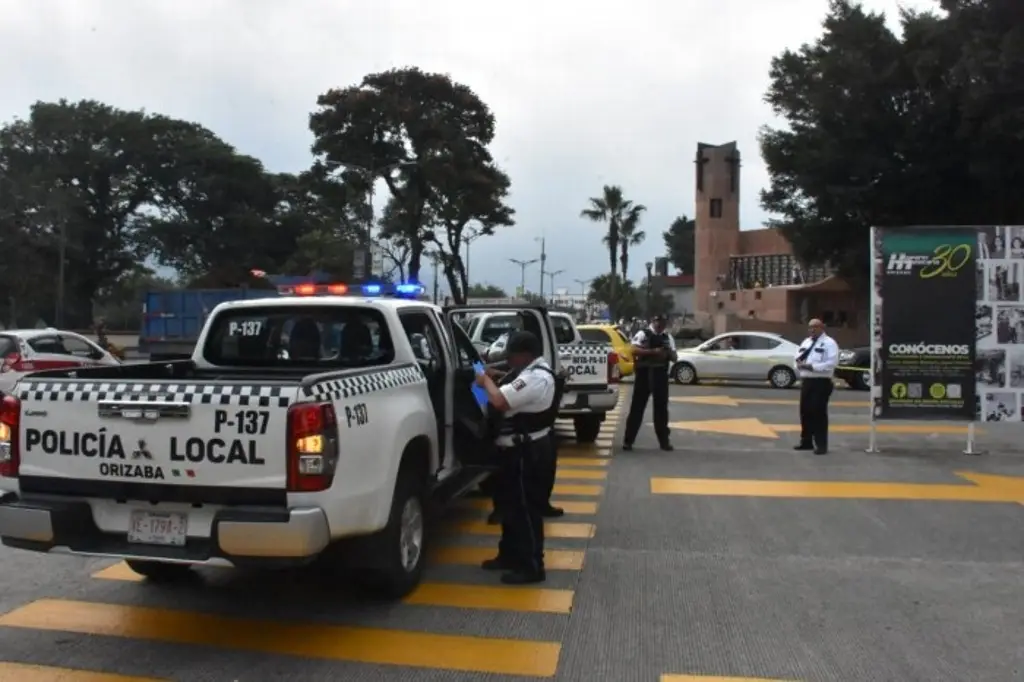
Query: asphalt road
x,y
652,575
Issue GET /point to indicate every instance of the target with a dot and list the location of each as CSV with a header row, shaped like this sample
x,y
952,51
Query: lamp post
x,y
523,264
647,305
543,261
551,277
473,235
584,283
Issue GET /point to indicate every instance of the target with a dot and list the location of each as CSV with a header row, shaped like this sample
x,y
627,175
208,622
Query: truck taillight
x,y
614,373
15,363
312,447
10,458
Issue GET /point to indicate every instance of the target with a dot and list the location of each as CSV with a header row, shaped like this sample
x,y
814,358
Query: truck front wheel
x,y
587,427
398,554
159,571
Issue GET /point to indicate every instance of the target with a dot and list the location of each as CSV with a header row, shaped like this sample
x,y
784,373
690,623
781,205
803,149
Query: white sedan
x,y
739,356
23,351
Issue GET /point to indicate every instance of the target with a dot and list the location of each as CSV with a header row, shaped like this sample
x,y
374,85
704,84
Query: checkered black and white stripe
x,y
349,387
587,349
197,394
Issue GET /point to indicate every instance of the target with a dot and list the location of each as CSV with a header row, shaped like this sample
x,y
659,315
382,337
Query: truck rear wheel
x,y
159,571
398,551
587,428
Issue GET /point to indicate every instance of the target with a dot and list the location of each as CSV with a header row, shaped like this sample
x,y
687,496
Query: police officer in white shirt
x,y
653,351
528,400
816,361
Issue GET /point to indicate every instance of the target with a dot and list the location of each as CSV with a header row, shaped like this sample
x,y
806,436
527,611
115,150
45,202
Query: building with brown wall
x,y
750,279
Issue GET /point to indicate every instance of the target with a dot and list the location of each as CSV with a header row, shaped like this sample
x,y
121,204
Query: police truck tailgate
x,y
586,365
97,439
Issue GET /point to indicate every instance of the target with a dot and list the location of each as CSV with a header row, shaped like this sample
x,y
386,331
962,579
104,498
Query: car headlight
x,y
847,356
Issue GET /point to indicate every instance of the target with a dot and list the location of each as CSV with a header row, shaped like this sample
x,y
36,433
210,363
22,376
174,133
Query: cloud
x,y
585,94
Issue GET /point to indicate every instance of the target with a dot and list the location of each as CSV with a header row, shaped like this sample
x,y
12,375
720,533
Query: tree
x,y
629,236
884,130
613,209
486,291
680,245
427,137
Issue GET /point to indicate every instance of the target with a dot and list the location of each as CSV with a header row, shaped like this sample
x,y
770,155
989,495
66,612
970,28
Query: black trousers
x,y
649,382
522,497
814,396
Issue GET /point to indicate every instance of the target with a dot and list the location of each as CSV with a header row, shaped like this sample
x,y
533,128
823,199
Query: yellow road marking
x,y
581,490
527,600
750,426
729,401
118,571
585,449
570,506
554,559
581,474
553,529
310,640
715,678
583,461
23,672
986,488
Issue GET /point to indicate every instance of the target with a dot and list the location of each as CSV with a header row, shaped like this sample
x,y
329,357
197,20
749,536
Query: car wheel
x,y
399,549
861,382
781,377
587,428
684,373
159,571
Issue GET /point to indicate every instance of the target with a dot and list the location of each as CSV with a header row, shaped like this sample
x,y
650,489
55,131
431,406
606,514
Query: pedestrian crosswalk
x,y
459,619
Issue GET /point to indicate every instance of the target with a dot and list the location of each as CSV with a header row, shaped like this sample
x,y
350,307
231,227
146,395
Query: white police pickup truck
x,y
592,369
298,425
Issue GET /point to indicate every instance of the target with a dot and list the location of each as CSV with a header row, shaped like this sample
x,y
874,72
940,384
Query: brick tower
x,y
717,218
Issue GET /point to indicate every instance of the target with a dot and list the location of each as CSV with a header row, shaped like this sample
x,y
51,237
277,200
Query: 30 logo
x,y
946,261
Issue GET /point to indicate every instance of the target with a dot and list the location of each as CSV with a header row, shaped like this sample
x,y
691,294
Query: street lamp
x,y
473,235
551,276
650,268
543,260
523,264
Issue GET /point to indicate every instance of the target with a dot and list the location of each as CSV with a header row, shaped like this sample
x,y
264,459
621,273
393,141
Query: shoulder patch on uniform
x,y
518,385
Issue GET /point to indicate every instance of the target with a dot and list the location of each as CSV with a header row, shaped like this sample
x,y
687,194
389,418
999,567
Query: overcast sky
x,y
585,93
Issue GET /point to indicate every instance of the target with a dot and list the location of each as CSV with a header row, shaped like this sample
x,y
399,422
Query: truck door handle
x,y
143,411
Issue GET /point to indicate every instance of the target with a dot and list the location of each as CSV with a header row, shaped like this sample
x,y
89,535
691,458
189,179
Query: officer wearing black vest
x,y
653,351
529,404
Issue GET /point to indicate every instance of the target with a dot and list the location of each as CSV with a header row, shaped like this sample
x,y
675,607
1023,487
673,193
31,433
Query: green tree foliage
x,y
625,299
486,291
427,137
621,217
680,245
922,128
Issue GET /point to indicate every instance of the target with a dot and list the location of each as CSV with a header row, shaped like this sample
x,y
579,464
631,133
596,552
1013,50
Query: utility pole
x,y
473,236
523,264
551,276
584,283
434,261
543,260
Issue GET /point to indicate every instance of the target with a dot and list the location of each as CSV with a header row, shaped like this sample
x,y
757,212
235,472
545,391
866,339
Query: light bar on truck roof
x,y
403,290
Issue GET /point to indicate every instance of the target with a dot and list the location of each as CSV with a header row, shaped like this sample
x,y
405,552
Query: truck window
x,y
324,337
563,329
497,325
594,335
8,345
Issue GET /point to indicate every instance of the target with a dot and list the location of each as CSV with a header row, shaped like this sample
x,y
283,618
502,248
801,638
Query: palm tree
x,y
629,235
615,210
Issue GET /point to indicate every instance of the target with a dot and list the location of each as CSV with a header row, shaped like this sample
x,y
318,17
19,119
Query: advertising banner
x,y
926,308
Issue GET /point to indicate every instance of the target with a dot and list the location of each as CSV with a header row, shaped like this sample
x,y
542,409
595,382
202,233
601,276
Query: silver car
x,y
739,356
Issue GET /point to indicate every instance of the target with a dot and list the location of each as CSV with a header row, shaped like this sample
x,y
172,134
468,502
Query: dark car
x,y
855,368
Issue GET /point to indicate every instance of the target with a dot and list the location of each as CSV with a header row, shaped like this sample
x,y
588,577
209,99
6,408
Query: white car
x,y
23,351
739,356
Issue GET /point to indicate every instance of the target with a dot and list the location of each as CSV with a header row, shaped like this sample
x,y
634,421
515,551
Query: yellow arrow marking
x,y
755,428
986,488
730,427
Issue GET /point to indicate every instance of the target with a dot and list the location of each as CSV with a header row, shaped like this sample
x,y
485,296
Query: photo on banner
x,y
923,357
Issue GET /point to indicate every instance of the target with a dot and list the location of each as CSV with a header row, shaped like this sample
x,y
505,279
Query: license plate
x,y
149,528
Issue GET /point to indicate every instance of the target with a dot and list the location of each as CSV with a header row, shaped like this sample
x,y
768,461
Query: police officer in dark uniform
x,y
528,401
653,351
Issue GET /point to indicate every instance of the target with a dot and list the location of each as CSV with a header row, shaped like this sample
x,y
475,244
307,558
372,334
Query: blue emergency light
x,y
403,290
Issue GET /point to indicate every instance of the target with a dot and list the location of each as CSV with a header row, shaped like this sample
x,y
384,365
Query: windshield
x,y
324,337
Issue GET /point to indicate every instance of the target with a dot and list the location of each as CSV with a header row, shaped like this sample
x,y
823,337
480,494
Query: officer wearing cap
x,y
528,402
653,350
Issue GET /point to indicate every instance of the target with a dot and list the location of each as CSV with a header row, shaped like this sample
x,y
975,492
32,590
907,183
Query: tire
x,y
587,428
399,551
684,373
159,571
781,377
861,381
